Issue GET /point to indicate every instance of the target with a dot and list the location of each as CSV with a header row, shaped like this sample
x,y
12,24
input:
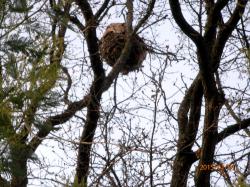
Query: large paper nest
x,y
112,44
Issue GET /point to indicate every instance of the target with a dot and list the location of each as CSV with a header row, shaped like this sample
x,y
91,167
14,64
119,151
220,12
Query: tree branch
x,y
102,9
149,10
214,12
185,107
52,121
226,31
230,130
183,24
202,48
86,9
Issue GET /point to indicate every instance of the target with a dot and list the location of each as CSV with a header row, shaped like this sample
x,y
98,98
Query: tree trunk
x,y
188,127
210,135
19,157
182,165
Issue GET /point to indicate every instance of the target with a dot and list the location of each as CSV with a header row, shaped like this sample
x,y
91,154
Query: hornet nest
x,y
113,42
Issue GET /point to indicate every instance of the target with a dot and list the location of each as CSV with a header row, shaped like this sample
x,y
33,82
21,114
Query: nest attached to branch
x,y
113,42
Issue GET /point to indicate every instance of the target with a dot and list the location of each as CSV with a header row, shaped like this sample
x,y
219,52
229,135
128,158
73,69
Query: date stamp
x,y
215,167
221,168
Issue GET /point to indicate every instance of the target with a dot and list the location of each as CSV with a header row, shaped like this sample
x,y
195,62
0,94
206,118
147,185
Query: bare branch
x,y
52,121
226,31
102,9
149,10
183,24
230,130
